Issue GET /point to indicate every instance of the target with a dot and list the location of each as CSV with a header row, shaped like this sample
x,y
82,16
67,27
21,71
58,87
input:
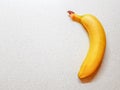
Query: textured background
x,y
42,49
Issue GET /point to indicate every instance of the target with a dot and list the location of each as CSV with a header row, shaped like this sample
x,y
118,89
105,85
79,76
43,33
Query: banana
x,y
97,46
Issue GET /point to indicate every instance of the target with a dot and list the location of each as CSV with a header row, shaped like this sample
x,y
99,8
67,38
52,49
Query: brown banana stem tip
x,y
70,12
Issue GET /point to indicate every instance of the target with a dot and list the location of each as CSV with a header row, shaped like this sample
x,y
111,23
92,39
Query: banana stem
x,y
71,13
74,16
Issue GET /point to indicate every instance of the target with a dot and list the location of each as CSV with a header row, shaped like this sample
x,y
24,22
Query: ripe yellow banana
x,y
97,43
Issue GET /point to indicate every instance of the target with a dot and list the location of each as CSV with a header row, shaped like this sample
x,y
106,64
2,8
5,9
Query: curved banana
x,y
97,43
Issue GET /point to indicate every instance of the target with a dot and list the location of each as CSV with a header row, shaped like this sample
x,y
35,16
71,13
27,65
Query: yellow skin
x,y
97,43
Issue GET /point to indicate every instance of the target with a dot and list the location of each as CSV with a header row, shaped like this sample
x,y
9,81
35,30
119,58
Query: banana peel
x,y
97,46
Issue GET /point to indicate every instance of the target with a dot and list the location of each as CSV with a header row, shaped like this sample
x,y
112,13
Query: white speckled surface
x,y
42,49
